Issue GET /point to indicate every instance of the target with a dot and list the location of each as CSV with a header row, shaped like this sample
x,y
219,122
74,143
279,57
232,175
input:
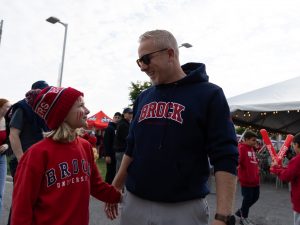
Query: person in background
x,y
121,135
291,173
179,124
98,134
248,175
26,128
109,152
4,106
56,176
90,137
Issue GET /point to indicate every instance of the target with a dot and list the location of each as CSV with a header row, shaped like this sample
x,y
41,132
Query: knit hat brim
x,y
53,104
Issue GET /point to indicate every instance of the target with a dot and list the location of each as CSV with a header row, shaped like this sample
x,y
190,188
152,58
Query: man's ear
x,y
171,53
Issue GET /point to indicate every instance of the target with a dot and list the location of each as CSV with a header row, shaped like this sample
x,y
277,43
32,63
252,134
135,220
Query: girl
x,y
291,173
57,175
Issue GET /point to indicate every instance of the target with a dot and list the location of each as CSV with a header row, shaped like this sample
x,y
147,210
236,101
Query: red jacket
x,y
248,170
292,174
53,184
2,136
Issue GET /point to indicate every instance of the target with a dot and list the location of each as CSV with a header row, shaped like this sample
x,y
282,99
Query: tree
x,y
239,130
137,88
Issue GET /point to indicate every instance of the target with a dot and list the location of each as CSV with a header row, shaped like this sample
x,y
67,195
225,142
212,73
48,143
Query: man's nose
x,y
144,67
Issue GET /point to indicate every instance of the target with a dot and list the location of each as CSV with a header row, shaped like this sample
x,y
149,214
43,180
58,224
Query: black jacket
x,y
121,135
108,139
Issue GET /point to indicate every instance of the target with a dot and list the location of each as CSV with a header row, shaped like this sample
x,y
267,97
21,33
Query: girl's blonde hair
x,y
96,155
3,101
64,133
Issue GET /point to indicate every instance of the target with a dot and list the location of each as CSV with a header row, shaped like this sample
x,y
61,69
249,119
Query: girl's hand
x,y
274,163
111,210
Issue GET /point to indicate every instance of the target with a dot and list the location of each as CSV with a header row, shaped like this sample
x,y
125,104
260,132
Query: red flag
x,y
269,145
285,147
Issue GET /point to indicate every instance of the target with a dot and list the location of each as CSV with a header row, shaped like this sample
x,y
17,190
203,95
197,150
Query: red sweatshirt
x,y
292,174
2,136
53,184
248,171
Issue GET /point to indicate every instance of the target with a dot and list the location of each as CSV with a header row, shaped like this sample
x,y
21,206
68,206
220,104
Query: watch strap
x,y
221,217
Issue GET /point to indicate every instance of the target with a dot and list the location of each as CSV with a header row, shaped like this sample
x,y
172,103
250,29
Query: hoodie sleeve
x,y
130,143
28,179
292,170
221,137
130,137
101,190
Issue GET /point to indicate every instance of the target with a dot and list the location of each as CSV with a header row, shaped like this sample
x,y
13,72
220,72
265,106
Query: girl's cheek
x,y
79,116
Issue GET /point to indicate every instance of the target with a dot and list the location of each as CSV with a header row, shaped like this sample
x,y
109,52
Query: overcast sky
x,y
245,44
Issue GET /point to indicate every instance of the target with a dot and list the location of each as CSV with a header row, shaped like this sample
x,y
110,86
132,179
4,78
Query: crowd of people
x,y
158,155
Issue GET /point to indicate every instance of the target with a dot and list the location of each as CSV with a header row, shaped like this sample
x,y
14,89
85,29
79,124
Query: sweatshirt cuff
x,y
227,165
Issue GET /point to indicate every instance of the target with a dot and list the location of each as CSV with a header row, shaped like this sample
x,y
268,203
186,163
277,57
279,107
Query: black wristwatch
x,y
228,220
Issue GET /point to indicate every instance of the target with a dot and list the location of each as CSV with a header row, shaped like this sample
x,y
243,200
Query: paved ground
x,y
273,207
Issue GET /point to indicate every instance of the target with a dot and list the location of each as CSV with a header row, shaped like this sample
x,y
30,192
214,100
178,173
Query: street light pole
x,y
1,26
63,55
56,20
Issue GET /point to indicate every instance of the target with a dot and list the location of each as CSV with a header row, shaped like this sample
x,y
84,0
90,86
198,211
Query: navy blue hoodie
x,y
176,127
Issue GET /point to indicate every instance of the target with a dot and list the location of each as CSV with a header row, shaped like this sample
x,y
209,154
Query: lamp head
x,y
52,20
186,45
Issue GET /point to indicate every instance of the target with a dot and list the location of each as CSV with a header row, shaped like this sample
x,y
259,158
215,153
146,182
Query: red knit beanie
x,y
54,103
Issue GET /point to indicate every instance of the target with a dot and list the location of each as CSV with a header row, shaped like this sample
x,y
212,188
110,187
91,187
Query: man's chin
x,y
154,82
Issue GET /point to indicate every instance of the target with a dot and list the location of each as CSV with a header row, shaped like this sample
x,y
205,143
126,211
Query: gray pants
x,y
137,211
119,157
296,218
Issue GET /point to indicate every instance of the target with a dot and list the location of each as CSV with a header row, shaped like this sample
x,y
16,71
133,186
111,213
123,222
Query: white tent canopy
x,y
275,107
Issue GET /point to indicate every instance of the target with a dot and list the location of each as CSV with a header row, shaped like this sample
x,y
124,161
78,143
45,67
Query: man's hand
x,y
218,222
107,160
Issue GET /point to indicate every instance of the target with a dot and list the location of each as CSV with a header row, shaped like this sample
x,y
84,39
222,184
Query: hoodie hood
x,y
195,68
195,72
